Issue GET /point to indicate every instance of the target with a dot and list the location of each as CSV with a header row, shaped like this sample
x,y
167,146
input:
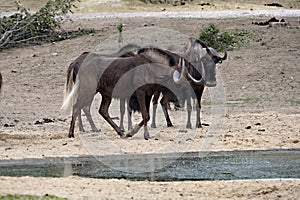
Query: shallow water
x,y
222,165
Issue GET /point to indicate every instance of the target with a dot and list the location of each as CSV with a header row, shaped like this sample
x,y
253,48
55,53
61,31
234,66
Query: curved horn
x,y
225,53
195,81
215,53
176,76
204,46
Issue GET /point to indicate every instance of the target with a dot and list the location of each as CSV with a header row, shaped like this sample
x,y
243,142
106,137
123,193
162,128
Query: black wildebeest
x,y
102,74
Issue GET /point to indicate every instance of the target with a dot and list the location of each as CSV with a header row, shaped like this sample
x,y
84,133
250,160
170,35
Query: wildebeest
x,y
72,72
204,60
102,74
206,65
126,51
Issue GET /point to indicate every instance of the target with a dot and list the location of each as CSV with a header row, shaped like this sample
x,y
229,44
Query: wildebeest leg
x,y
103,110
189,111
198,118
75,113
141,98
87,112
129,113
80,124
153,124
154,102
165,104
146,132
194,104
122,112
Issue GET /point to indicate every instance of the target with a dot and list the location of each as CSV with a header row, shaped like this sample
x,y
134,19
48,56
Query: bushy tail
x,y
70,80
68,100
70,91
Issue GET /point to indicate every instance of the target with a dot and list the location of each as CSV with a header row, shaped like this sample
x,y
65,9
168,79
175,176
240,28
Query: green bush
x,y
37,28
215,38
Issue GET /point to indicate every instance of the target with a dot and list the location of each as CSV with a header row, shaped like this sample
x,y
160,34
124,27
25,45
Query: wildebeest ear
x,y
189,45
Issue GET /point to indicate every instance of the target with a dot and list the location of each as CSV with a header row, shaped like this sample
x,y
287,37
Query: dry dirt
x,y
261,82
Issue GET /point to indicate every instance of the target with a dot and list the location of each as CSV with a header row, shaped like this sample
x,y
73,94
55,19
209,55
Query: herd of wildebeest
x,y
135,75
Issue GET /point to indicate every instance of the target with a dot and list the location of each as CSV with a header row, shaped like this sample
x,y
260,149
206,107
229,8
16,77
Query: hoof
x,y
121,134
199,126
189,126
170,125
153,126
128,135
146,137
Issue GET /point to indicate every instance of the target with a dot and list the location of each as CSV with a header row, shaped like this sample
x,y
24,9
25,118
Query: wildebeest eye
x,y
216,60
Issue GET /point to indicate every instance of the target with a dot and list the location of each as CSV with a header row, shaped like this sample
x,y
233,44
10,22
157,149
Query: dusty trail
x,y
192,14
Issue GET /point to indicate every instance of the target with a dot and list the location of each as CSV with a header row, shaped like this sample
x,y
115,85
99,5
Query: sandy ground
x,y
79,188
261,111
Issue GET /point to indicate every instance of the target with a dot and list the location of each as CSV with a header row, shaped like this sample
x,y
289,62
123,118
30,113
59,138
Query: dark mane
x,y
199,42
154,52
129,47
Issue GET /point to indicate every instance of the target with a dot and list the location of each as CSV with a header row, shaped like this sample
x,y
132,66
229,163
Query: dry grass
x,y
139,5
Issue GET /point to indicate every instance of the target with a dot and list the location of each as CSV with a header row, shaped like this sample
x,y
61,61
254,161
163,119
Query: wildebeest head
x,y
204,59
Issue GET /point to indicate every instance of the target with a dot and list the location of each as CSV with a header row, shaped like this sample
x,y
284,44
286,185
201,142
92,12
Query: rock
x,y
278,24
273,4
37,122
205,124
8,125
46,120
